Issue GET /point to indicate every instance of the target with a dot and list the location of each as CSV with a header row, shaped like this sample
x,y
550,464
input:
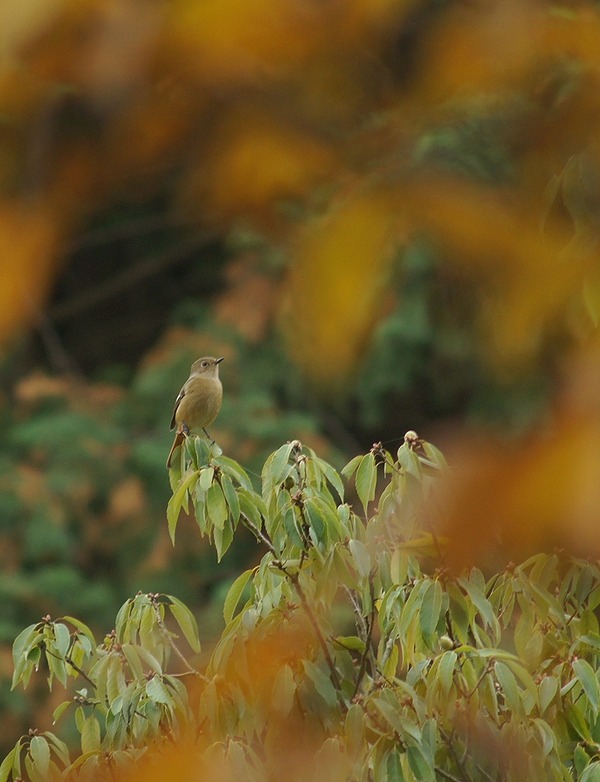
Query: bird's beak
x,y
218,360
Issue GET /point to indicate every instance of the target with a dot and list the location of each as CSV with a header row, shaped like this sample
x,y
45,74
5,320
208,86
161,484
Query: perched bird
x,y
198,402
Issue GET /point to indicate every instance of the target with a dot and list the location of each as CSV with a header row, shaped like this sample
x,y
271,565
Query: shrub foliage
x,y
349,651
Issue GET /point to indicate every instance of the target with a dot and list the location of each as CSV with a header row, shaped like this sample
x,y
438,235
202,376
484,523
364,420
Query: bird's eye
x,y
204,364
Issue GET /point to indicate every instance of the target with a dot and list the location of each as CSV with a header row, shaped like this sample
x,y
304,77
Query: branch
x,y
320,637
128,278
260,536
169,636
447,775
454,754
293,577
363,660
73,665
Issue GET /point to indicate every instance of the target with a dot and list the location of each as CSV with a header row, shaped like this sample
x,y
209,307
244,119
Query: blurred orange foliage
x,y
261,102
301,120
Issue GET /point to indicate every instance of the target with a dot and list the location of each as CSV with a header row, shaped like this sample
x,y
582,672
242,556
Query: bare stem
x,y
73,665
367,651
447,775
169,637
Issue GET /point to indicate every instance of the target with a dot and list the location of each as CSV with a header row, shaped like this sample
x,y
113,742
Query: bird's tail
x,y
179,438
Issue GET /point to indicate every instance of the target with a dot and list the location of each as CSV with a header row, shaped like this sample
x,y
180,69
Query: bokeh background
x,y
383,213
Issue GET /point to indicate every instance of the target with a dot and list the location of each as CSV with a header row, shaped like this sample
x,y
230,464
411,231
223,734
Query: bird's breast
x,y
201,403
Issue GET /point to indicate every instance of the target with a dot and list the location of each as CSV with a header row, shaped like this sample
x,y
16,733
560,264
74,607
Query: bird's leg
x,y
212,442
185,429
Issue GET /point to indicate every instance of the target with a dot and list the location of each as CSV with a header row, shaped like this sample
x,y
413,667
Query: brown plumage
x,y
198,402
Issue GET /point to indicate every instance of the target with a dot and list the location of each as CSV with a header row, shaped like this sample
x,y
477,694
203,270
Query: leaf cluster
x,y
349,642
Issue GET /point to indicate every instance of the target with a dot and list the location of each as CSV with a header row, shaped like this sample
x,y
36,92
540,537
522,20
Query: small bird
x,y
198,402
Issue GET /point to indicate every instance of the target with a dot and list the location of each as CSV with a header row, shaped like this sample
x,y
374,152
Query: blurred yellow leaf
x,y
335,286
228,40
254,162
28,242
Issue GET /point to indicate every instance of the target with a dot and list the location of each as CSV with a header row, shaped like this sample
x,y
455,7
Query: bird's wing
x,y
177,403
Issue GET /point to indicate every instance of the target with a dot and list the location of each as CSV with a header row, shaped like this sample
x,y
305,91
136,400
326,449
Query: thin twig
x,y
468,695
73,665
320,637
356,608
485,773
128,278
447,775
453,752
260,536
166,634
367,651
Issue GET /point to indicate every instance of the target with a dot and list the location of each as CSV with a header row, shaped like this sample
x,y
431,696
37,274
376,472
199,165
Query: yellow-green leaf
x,y
235,592
186,621
366,480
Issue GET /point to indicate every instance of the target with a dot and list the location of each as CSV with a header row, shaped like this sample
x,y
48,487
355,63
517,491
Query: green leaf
x,y
62,638
349,470
547,735
252,506
149,659
510,690
21,647
7,763
223,537
354,728
235,593
332,476
156,690
581,759
40,754
394,767
133,661
88,762
60,710
419,764
186,621
176,503
206,478
409,461
587,678
429,614
57,668
235,471
81,627
322,683
482,604
284,690
277,465
90,735
352,642
547,691
216,506
435,456
576,718
201,449
391,713
315,520
231,498
446,670
360,557
591,773
366,480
